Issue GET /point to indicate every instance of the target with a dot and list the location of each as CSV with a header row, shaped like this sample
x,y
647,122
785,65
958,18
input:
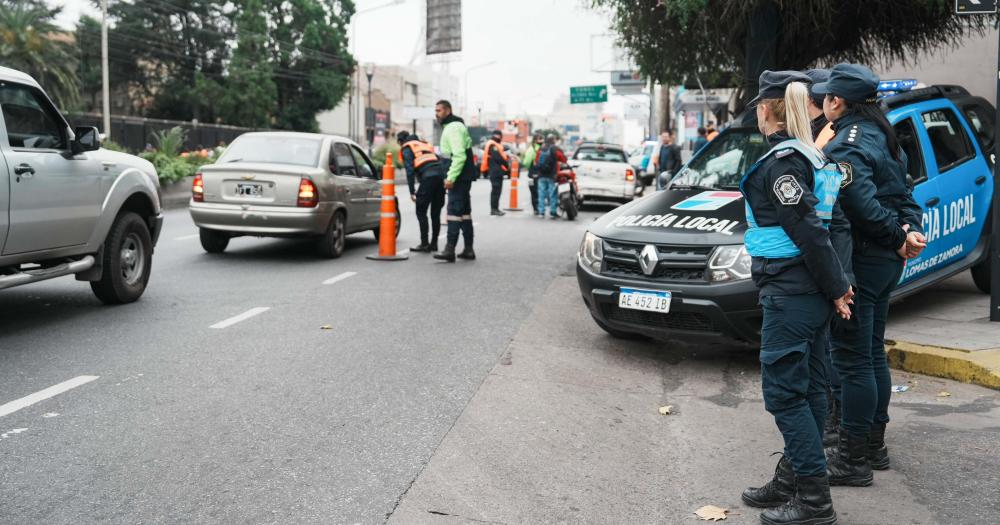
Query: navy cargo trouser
x,y
430,195
460,213
858,353
496,190
793,374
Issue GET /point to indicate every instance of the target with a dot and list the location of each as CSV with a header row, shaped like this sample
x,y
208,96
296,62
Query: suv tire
x,y
981,275
618,334
331,244
213,241
127,261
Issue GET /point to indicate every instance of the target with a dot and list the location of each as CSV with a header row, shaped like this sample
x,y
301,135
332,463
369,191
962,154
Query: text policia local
x,y
678,222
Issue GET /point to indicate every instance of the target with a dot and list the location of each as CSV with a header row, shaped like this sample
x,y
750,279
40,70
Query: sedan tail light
x,y
198,188
308,197
629,175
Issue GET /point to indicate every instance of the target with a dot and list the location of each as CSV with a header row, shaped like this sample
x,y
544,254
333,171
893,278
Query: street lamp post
x,y
370,128
465,99
352,116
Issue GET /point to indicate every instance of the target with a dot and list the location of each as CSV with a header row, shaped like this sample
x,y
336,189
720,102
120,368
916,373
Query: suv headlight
x,y
592,252
729,263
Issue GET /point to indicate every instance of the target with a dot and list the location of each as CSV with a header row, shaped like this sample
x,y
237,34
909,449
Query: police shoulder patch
x,y
848,170
788,190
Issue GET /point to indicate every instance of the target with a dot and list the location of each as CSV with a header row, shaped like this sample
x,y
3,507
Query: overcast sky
x,y
541,47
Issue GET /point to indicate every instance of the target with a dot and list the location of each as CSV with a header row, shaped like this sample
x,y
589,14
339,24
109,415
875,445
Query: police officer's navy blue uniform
x,y
790,197
424,167
497,165
877,201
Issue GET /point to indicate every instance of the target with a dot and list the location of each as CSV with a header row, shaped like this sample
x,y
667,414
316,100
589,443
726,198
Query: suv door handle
x,y
932,202
24,170
980,180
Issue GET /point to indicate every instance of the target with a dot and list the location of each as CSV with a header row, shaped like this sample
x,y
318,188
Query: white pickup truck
x,y
67,206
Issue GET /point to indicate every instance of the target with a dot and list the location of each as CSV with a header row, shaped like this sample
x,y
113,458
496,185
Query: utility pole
x,y
105,89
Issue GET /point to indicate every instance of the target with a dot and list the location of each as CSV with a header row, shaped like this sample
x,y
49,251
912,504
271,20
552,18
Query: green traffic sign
x,y
588,94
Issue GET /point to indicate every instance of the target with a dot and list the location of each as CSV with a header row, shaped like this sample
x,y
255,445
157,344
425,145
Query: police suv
x,y
673,264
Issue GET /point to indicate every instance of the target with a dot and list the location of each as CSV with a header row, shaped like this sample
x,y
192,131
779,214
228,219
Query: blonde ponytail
x,y
796,117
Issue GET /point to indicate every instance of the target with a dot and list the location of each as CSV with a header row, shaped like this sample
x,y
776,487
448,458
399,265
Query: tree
x,y
250,95
727,43
31,42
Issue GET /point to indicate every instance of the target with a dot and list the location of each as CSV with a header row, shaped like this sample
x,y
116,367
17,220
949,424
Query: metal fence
x,y
134,133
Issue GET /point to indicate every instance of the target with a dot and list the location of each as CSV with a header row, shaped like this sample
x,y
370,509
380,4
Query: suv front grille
x,y
677,263
691,321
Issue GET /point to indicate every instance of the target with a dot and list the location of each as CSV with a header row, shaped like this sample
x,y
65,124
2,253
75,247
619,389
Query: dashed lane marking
x,y
186,237
240,318
341,277
42,395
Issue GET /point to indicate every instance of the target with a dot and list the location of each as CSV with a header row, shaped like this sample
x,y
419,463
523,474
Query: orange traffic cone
x,y
514,168
387,224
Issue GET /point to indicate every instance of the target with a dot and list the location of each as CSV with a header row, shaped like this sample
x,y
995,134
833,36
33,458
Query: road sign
x,y
975,7
444,26
588,94
627,78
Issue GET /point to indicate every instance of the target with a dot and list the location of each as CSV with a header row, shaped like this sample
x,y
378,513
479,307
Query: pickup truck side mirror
x,y
87,139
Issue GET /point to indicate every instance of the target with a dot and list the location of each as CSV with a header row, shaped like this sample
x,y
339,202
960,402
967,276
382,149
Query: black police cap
x,y
818,75
852,82
774,83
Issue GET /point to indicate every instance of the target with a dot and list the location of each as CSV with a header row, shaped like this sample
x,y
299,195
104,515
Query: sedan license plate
x,y
646,300
249,190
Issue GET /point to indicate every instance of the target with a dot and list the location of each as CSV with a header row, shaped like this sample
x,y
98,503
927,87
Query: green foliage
x,y
31,42
378,156
113,146
172,168
723,43
170,142
251,94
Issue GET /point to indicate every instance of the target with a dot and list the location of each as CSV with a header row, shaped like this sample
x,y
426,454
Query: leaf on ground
x,y
711,513
944,393
326,327
666,410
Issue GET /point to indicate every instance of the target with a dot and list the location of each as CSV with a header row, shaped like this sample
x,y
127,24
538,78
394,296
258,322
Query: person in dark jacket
x,y
700,141
886,229
669,157
423,165
821,127
790,198
496,164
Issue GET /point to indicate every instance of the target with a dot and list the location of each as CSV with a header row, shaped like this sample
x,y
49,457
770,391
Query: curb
x,y
979,368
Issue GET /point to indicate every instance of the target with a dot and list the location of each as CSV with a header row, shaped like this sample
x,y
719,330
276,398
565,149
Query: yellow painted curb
x,y
979,368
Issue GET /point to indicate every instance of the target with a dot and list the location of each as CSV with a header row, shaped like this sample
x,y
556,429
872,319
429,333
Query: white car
x,y
603,173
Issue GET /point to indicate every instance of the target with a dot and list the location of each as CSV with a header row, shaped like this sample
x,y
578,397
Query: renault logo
x,y
648,259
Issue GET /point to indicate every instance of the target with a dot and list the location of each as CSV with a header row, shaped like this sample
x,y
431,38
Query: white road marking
x,y
187,237
50,414
403,253
341,277
242,317
15,432
42,395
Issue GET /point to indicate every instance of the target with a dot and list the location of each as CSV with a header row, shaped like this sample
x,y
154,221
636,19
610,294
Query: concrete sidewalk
x,y
945,331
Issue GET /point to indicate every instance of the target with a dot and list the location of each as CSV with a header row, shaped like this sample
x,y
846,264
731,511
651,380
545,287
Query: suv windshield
x,y
273,149
722,163
599,154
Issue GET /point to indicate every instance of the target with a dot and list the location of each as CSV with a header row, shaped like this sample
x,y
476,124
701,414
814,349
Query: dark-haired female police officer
x,y
791,193
886,228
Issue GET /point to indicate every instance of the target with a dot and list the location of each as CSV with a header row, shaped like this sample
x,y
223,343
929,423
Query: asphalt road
x,y
440,393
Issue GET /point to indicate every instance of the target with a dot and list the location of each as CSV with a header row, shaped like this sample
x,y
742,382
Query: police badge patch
x,y
788,190
848,170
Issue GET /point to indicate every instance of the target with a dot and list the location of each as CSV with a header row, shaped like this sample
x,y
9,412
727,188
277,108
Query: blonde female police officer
x,y
790,196
885,223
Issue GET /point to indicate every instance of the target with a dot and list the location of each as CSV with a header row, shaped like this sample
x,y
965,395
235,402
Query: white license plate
x,y
646,300
563,188
249,190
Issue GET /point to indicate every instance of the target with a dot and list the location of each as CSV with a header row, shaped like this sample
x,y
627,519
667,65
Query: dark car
x,y
673,264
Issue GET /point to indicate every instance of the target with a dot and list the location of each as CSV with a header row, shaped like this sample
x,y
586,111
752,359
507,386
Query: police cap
x,y
852,82
773,83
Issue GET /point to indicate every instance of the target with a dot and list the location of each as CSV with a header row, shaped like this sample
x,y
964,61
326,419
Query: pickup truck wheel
x,y
331,244
128,260
618,334
981,275
213,241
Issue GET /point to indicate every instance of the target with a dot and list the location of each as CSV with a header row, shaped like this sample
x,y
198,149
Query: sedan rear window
x,y
272,149
600,154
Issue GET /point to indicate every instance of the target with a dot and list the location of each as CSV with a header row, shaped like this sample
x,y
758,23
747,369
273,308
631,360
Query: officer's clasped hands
x,y
842,304
915,243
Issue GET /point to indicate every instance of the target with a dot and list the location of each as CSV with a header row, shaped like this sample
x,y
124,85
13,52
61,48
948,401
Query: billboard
x,y
444,26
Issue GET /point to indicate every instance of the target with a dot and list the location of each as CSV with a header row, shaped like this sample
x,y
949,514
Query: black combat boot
x,y
467,254
878,453
848,464
777,491
421,248
810,506
448,254
831,428
434,245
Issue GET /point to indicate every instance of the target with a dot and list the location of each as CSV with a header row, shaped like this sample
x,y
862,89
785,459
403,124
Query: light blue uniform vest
x,y
772,241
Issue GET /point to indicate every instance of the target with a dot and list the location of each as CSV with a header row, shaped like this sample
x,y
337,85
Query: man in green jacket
x,y
456,150
528,166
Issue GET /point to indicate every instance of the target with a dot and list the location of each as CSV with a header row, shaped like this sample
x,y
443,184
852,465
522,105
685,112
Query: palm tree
x,y
31,42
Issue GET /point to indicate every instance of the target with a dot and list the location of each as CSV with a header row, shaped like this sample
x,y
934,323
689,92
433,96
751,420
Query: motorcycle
x,y
568,192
